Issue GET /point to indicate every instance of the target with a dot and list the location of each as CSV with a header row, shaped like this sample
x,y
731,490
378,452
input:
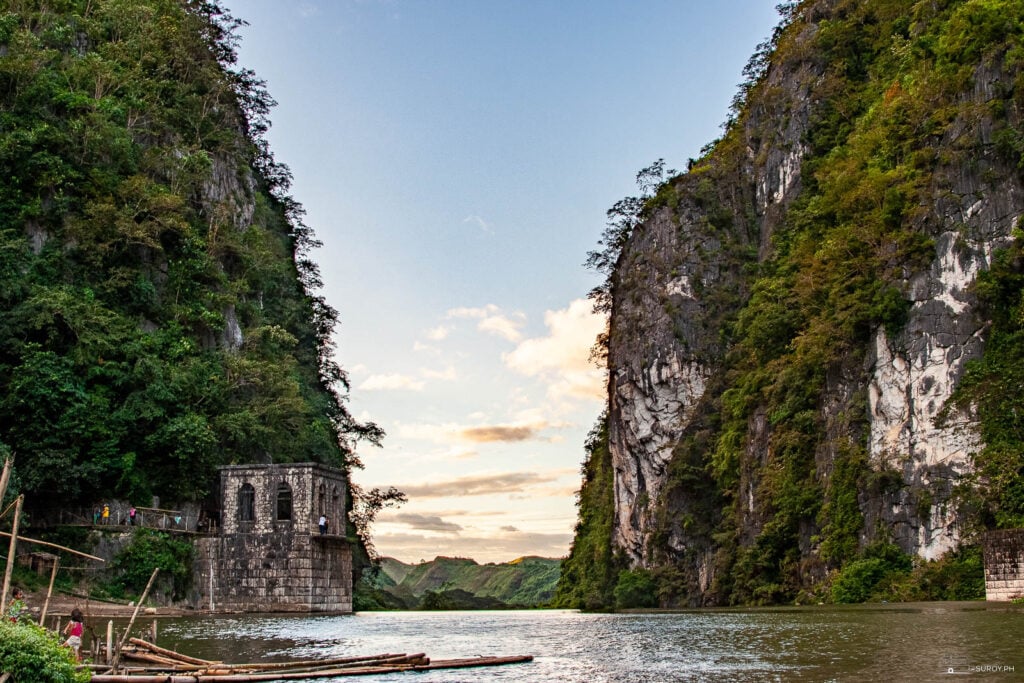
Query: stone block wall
x,y
1004,565
272,558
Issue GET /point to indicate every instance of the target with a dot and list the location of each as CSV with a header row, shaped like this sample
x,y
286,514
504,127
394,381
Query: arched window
x,y
284,502
335,508
246,503
322,509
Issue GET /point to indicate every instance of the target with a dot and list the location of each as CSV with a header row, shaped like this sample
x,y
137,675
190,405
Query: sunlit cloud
x,y
493,320
392,382
491,433
478,485
486,433
421,522
563,357
510,529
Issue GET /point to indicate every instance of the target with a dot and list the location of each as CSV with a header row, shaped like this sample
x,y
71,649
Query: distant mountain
x,y
527,581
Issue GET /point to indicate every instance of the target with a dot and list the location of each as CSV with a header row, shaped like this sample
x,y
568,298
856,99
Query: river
x,y
880,643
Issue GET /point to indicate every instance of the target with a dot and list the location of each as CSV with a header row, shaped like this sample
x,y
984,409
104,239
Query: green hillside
x,y
527,581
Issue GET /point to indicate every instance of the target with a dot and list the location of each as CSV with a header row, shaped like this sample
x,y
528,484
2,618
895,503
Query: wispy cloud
x,y
421,522
484,226
479,485
392,382
562,358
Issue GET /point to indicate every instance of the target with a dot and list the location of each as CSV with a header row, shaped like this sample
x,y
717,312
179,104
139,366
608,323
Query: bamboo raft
x,y
154,664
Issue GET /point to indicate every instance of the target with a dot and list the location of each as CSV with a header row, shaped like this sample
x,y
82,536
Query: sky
x,y
457,158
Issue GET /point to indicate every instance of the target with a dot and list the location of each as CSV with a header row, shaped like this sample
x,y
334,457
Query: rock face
x,y
687,272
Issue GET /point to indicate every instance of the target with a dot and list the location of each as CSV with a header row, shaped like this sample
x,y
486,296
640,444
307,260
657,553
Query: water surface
x,y
881,643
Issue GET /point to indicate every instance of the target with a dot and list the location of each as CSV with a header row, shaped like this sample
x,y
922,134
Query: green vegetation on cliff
x,y
158,306
891,117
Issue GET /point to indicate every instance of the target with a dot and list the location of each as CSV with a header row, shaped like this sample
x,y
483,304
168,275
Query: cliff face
x,y
158,309
791,317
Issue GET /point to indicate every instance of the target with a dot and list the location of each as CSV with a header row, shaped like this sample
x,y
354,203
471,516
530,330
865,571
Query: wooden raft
x,y
160,665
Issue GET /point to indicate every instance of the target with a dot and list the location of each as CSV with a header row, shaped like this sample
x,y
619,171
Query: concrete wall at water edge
x,y
1004,565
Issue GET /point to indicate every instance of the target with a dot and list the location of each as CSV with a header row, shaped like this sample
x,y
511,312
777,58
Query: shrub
x,y
635,588
148,550
31,653
858,579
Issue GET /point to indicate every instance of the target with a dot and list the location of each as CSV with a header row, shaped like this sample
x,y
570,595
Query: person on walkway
x,y
323,525
17,607
106,514
131,515
74,631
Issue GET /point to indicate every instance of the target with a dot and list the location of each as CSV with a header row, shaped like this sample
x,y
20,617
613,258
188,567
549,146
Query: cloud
x,y
391,382
505,433
438,333
422,522
448,374
492,320
563,357
484,226
497,433
479,485
502,547
510,529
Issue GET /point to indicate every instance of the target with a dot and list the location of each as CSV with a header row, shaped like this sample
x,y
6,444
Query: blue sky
x,y
457,158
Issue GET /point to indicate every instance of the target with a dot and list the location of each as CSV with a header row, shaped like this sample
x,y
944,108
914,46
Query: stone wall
x,y
1004,565
270,555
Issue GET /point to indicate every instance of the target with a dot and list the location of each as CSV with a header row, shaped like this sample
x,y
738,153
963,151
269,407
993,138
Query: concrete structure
x,y
1004,565
270,555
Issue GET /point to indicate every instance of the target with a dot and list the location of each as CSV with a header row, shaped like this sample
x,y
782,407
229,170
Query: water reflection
x,y
863,643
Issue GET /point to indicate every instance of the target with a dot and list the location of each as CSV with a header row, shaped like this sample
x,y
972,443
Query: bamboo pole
x,y
131,622
169,653
5,478
10,554
332,673
34,541
49,591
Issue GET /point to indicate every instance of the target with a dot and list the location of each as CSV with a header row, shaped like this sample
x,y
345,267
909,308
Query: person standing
x,y
131,515
17,607
74,631
106,514
323,525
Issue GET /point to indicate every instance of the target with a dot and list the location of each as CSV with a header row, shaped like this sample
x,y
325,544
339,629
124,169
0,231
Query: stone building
x,y
1004,565
270,555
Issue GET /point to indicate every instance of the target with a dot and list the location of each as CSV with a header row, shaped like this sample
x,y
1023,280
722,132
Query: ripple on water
x,y
865,643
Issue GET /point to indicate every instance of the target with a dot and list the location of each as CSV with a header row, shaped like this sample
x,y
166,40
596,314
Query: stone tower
x,y
270,555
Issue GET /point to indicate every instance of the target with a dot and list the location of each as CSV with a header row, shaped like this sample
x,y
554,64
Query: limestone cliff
x,y
791,316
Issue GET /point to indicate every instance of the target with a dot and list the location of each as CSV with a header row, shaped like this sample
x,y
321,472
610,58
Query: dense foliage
x,y
158,314
149,550
31,653
890,109
589,573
